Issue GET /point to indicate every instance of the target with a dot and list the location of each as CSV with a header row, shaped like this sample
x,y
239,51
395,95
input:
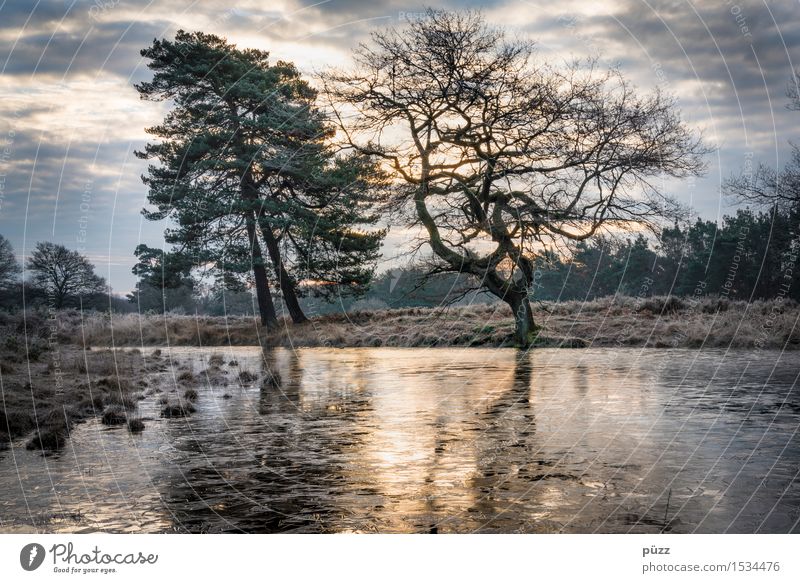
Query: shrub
x,y
114,415
186,376
662,305
124,401
15,423
49,438
246,377
272,379
179,409
135,425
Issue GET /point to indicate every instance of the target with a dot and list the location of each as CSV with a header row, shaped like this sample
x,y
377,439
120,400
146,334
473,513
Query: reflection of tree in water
x,y
283,469
432,508
280,386
481,440
507,455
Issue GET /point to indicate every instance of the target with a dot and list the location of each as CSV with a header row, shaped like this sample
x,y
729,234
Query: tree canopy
x,y
9,266
65,275
245,161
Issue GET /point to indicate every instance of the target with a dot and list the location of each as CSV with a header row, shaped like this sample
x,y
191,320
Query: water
x,y
439,440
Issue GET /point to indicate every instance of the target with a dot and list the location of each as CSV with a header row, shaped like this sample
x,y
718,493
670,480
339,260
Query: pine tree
x,y
245,160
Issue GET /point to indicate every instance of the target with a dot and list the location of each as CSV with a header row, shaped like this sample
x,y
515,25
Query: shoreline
x,y
609,322
59,371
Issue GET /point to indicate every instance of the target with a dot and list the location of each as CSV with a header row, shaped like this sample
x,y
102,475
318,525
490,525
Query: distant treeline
x,y
750,255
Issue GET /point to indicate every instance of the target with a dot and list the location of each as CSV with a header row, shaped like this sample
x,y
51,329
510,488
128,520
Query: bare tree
x,y
9,266
496,155
63,273
767,187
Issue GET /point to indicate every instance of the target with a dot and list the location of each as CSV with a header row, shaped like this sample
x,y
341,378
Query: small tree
x,y
9,266
63,274
165,282
496,156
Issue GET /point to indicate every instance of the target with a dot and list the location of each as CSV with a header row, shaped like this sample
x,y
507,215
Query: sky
x,y
71,120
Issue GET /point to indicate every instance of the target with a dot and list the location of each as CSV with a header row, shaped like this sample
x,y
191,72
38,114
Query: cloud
x,y
93,50
69,102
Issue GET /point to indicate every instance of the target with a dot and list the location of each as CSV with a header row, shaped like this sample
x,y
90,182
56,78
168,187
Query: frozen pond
x,y
438,440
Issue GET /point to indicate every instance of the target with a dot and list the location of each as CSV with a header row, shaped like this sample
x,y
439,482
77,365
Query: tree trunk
x,y
266,308
524,326
284,280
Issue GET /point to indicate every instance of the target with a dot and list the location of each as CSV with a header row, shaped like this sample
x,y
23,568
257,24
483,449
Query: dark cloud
x,y
727,62
95,49
17,15
358,9
85,196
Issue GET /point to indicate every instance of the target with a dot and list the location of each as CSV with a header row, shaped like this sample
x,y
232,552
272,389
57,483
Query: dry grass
x,y
154,330
677,322
619,321
47,397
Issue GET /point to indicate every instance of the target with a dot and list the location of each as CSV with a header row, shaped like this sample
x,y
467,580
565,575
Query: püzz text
x,y
654,550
